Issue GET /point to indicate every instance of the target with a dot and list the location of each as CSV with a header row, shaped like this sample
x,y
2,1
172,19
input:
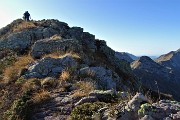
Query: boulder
x,y
47,46
88,99
135,103
103,77
104,96
49,67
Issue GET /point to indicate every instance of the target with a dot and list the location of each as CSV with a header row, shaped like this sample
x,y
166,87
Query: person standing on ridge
x,y
26,16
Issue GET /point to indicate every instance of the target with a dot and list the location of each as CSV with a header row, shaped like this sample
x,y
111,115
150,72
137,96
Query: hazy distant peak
x,y
168,56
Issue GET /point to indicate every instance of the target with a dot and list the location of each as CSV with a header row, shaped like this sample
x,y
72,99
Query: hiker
x,y
26,16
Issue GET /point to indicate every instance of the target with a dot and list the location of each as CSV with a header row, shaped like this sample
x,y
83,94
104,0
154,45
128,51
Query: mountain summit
x,y
50,71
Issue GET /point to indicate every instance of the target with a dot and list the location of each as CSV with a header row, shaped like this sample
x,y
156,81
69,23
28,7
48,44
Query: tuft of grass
x,y
74,55
65,75
83,88
40,96
58,54
49,83
12,73
31,84
23,25
56,37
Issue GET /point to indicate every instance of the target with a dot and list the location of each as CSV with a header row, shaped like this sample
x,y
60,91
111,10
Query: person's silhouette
x,y
26,16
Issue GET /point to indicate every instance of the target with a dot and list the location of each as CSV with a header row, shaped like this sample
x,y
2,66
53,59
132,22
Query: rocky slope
x,y
157,76
124,56
50,71
171,60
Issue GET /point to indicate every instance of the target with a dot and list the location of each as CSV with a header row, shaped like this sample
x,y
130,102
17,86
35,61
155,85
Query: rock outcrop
x,y
123,56
49,67
49,46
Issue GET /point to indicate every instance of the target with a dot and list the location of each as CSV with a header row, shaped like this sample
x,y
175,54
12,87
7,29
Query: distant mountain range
x,y
156,73
160,74
130,57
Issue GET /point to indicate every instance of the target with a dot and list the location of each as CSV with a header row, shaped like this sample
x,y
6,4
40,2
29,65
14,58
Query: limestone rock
x,y
48,46
104,96
136,102
50,67
88,99
104,77
22,40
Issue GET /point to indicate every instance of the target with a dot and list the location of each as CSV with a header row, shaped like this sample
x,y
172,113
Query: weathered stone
x,y
104,77
50,67
88,99
123,56
48,46
104,96
136,102
147,117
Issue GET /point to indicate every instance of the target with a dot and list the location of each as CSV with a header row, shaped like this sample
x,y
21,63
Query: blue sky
x,y
140,27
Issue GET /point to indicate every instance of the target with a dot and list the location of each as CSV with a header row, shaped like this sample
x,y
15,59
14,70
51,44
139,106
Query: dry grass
x,y
23,25
31,84
65,75
74,55
58,54
40,96
11,73
84,88
56,37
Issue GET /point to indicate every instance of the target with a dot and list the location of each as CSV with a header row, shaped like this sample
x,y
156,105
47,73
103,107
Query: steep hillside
x,y
171,60
50,71
156,76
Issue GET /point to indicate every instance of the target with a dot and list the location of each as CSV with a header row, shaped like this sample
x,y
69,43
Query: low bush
x,y
85,111
19,108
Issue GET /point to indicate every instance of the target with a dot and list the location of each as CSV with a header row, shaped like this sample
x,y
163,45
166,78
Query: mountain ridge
x,y
52,71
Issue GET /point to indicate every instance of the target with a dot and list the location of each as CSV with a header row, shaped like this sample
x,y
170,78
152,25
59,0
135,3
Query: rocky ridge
x,y
59,72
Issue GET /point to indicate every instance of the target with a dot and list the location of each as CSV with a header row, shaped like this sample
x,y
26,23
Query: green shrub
x,y
85,111
8,60
19,108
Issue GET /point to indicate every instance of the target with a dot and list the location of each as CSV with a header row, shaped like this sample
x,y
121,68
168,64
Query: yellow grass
x,y
74,55
31,84
79,93
65,75
84,88
11,73
40,96
62,55
23,25
56,37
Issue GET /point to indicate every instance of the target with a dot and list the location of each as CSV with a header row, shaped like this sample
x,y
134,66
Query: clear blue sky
x,y
141,27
